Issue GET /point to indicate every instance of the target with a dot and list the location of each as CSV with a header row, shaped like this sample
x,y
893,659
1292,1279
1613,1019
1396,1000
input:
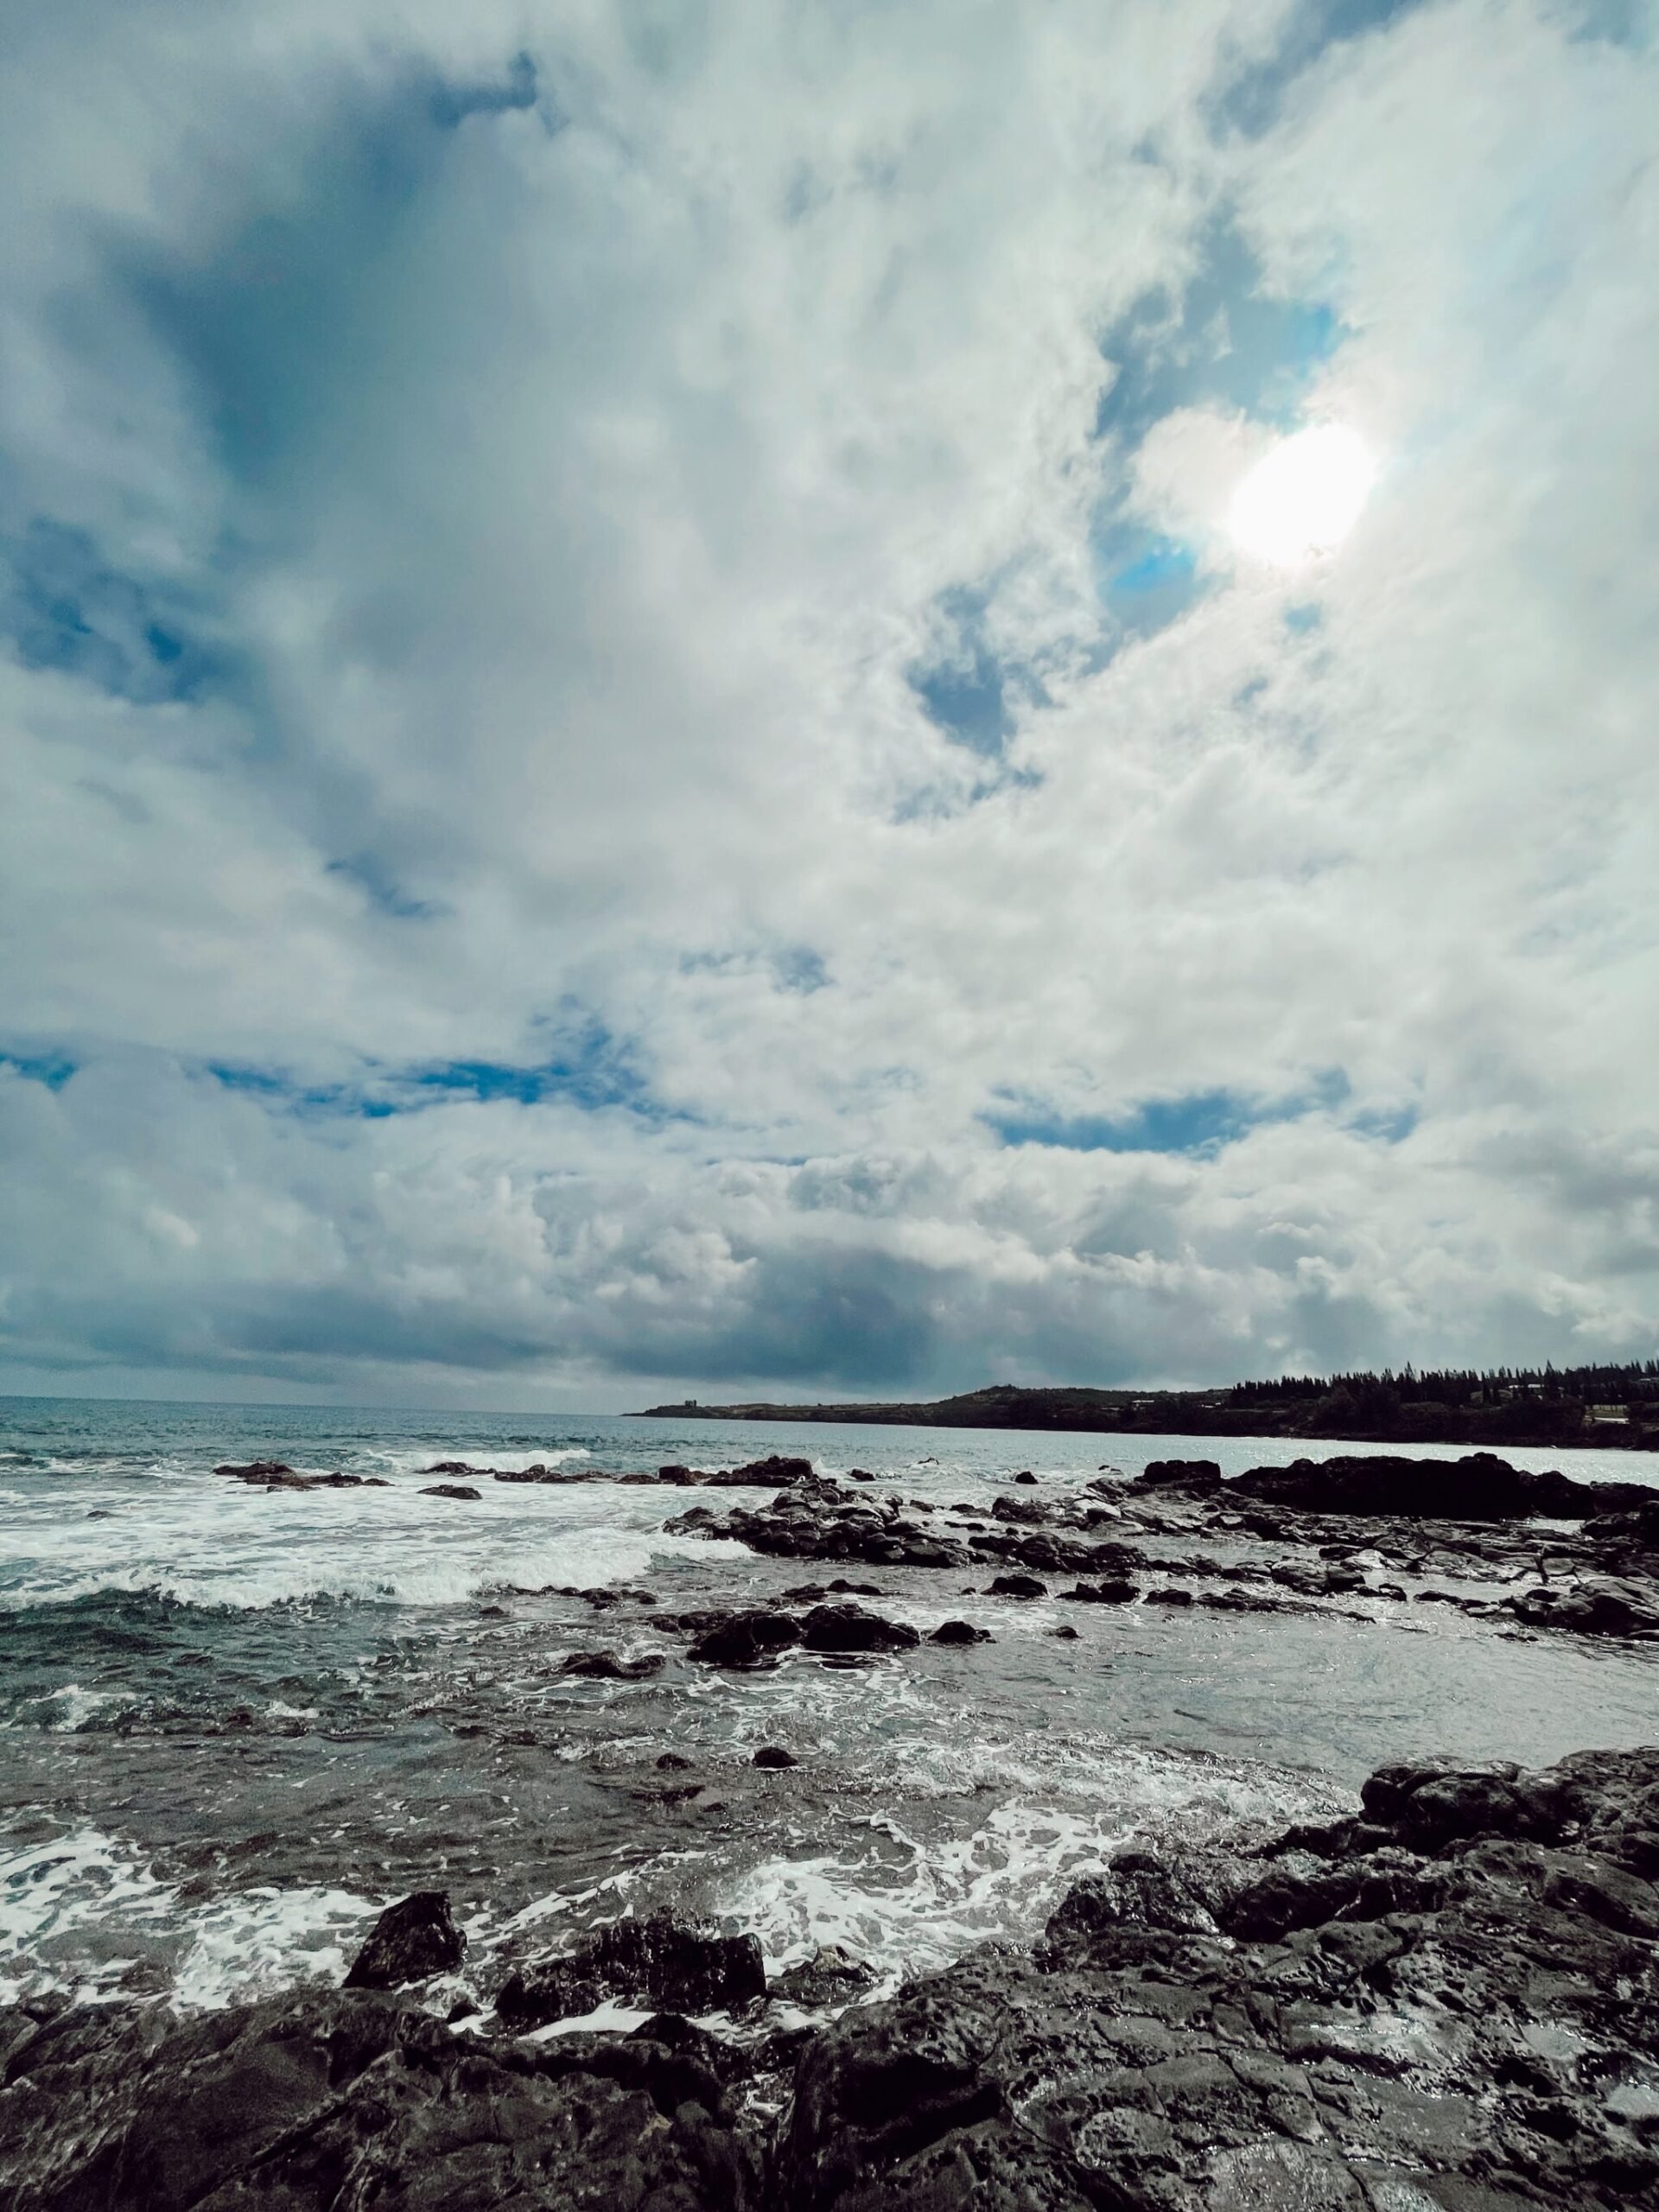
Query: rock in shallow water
x,y
677,1966
850,1628
410,1941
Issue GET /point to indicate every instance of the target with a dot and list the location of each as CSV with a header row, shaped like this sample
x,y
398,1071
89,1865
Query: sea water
x,y
235,1723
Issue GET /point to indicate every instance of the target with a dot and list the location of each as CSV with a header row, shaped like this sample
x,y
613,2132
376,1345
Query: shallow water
x,y
236,1723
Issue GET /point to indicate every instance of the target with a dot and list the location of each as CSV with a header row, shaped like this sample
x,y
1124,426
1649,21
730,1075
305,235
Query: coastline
x,y
1518,1425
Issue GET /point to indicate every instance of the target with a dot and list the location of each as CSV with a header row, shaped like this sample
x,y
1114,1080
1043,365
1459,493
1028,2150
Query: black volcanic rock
x,y
959,1632
318,2104
850,1628
751,1639
276,1474
773,1758
606,1667
410,1941
452,1489
1418,2010
674,1965
1017,1586
1478,1487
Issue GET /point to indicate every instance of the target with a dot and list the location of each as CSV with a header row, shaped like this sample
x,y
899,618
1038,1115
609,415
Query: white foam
x,y
208,1541
77,1910
916,1902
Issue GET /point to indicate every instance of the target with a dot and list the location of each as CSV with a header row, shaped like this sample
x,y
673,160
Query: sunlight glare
x,y
1302,499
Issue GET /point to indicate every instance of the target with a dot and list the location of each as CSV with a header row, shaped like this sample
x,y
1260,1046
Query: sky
x,y
640,756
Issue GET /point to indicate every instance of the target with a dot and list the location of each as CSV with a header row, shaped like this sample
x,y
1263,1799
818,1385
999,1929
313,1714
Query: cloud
x,y
634,749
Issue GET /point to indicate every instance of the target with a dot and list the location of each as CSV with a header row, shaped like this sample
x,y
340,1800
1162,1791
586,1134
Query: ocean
x,y
235,1724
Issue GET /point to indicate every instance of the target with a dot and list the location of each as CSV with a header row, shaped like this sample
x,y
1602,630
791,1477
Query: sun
x,y
1303,499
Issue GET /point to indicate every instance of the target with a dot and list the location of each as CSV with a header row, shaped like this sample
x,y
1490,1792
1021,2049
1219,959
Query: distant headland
x,y
1606,1406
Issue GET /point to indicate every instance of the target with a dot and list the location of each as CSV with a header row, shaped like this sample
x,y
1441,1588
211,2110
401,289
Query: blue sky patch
x,y
63,606
1251,102
964,691
1196,1122
588,1068
52,1068
1146,581
1222,340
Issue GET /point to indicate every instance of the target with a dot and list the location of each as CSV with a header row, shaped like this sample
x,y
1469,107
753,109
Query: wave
x,y
86,1893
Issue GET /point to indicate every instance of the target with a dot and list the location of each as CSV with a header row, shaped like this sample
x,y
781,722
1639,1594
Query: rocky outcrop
x,y
410,1941
352,2099
276,1474
1448,2004
850,1628
1478,1487
659,1960
1348,1528
764,1474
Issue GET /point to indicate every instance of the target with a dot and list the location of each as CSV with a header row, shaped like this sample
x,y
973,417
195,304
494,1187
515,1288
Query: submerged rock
x,y
959,1632
773,1758
606,1667
452,1489
410,1941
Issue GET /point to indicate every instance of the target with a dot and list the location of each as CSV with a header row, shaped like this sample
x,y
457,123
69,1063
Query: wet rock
x,y
959,1632
777,1467
1114,1591
410,1941
773,1758
850,1628
1017,1586
1417,2011
1191,1477
607,1667
673,1762
1026,1476
751,1639
313,2105
1594,1606
276,1474
680,1965
452,1489
1171,1596
1478,1487
1066,1633
831,1976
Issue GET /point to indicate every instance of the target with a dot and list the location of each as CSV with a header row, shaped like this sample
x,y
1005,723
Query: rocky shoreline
x,y
1448,2002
